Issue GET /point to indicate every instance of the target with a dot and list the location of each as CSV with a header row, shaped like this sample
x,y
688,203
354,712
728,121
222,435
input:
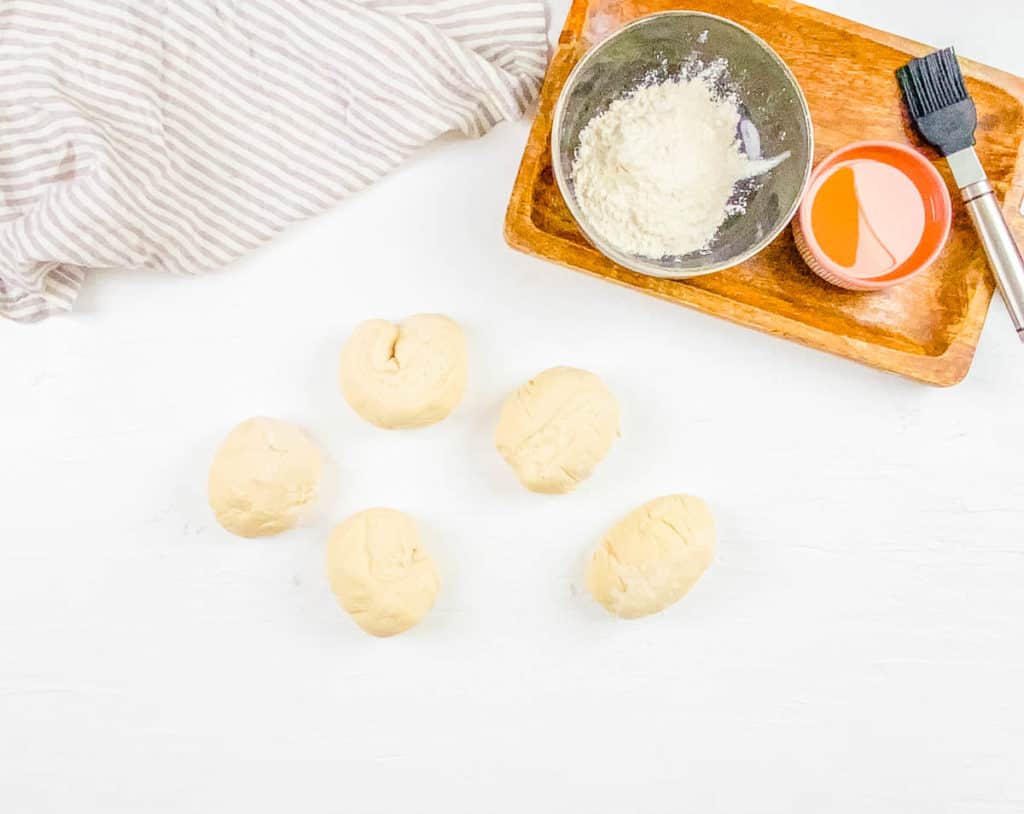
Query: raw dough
x,y
653,556
262,477
380,573
556,428
407,375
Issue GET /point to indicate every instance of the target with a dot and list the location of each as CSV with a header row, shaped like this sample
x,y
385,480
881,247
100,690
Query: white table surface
x,y
858,647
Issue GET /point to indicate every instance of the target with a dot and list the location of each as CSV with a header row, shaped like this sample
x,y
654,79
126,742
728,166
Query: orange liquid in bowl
x,y
869,218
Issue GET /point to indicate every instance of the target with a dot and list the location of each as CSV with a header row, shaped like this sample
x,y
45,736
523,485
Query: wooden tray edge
x,y
946,370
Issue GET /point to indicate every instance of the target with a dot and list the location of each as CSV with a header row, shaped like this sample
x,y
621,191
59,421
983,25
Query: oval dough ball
x,y
556,428
263,475
380,573
407,375
653,556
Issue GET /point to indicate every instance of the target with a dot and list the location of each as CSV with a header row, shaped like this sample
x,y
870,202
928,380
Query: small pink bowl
x,y
883,210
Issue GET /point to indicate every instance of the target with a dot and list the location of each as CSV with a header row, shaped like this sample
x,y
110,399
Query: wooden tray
x,y
926,329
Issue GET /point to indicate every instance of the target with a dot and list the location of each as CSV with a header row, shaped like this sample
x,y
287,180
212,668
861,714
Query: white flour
x,y
655,173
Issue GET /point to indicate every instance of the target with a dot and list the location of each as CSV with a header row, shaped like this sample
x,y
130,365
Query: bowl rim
x,y
829,165
639,264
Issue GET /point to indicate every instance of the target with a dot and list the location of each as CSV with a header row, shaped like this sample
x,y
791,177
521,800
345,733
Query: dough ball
x,y
652,557
407,375
262,477
379,571
556,428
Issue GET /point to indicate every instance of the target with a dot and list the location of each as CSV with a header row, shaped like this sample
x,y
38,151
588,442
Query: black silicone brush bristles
x,y
937,98
932,83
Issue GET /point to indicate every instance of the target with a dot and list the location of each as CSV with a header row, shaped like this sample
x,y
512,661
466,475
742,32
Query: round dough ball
x,y
556,428
653,556
380,573
407,375
262,477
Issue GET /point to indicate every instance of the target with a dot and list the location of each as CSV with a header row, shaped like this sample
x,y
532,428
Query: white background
x,y
858,647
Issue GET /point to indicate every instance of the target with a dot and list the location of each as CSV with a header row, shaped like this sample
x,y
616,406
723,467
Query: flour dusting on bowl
x,y
661,169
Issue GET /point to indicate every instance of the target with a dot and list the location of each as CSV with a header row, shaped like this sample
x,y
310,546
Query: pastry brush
x,y
945,115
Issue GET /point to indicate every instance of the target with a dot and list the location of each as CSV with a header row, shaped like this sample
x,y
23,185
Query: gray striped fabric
x,y
179,134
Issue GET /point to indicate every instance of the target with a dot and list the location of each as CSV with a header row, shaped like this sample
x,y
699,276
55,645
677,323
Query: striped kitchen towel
x,y
178,135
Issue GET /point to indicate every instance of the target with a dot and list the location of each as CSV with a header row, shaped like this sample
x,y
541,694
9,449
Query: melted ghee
x,y
869,218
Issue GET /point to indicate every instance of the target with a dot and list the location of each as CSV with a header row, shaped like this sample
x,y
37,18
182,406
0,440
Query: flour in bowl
x,y
655,174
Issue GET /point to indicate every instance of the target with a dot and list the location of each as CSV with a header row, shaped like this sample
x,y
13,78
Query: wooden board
x,y
926,329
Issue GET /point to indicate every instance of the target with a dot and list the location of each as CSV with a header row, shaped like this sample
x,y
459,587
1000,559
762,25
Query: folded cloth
x,y
179,134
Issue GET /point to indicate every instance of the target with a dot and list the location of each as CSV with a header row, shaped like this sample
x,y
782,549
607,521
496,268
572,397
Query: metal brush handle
x,y
1003,255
